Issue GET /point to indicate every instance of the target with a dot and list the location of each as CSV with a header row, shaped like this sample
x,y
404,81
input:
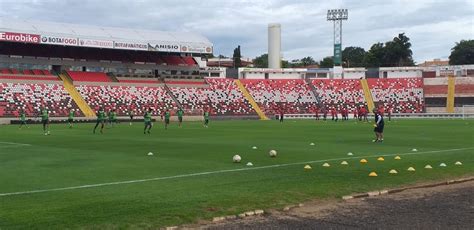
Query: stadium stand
x,y
123,98
88,76
30,97
27,74
403,95
227,99
289,96
339,93
219,96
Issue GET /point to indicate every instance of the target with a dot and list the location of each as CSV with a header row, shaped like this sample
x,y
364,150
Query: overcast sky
x,y
432,25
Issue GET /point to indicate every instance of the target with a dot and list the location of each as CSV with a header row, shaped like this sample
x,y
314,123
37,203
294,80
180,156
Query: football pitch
x,y
76,179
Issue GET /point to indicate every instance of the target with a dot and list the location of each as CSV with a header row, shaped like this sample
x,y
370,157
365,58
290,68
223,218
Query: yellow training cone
x,y
326,165
393,171
372,174
428,167
397,158
380,159
363,161
344,163
411,169
458,163
307,167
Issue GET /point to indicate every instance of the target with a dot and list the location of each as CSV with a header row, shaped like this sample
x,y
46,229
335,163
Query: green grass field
x,y
192,176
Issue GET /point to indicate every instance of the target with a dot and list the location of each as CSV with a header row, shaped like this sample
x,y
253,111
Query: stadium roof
x,y
124,37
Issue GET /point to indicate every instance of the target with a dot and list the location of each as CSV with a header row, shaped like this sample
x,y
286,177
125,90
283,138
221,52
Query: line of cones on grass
x,y
381,159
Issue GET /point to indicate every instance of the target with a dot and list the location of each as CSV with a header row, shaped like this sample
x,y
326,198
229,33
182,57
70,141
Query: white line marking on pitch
x,y
218,172
4,144
14,143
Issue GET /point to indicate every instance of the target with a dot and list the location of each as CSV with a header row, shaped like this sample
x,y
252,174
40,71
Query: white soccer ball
x,y
272,153
236,159
150,154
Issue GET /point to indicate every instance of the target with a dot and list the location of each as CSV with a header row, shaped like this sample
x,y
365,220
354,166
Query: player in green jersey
x,y
109,117
70,118
23,119
147,119
180,116
167,118
45,120
130,114
114,117
100,120
206,118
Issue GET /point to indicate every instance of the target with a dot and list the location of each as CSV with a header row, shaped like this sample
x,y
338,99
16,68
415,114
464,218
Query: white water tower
x,y
274,46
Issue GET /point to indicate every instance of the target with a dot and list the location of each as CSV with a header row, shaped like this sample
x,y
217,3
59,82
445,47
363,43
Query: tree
x,y
327,62
285,64
398,52
353,56
236,57
393,53
221,56
462,53
261,61
375,55
306,61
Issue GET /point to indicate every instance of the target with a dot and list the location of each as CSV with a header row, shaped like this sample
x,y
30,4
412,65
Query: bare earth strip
x,y
442,207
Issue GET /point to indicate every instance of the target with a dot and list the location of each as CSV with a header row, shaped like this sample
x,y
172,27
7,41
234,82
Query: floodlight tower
x,y
337,16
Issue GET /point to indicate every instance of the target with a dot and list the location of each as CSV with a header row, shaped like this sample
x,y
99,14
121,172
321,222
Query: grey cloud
x,y
432,25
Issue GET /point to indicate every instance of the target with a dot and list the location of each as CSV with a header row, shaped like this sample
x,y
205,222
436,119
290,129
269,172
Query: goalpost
x,y
467,111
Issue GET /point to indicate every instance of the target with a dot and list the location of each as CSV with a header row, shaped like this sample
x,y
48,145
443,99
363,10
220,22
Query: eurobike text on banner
x,y
19,37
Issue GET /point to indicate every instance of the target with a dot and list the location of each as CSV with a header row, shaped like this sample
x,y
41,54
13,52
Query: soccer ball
x,y
272,153
236,159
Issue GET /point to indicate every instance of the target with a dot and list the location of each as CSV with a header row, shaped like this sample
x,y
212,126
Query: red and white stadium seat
x,y
338,93
88,76
291,96
403,95
220,97
126,97
30,97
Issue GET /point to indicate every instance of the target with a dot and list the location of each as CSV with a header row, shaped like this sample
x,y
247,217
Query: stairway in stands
x,y
168,91
367,94
249,97
76,96
450,96
315,93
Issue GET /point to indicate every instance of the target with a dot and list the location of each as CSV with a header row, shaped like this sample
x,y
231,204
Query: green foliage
x,y
261,61
306,61
327,62
236,57
375,55
391,54
462,53
353,56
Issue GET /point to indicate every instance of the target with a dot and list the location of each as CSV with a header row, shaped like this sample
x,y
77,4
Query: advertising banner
x,y
164,47
196,49
337,54
19,37
96,43
130,46
55,40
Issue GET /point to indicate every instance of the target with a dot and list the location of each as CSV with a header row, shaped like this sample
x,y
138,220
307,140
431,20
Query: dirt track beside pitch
x,y
442,207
